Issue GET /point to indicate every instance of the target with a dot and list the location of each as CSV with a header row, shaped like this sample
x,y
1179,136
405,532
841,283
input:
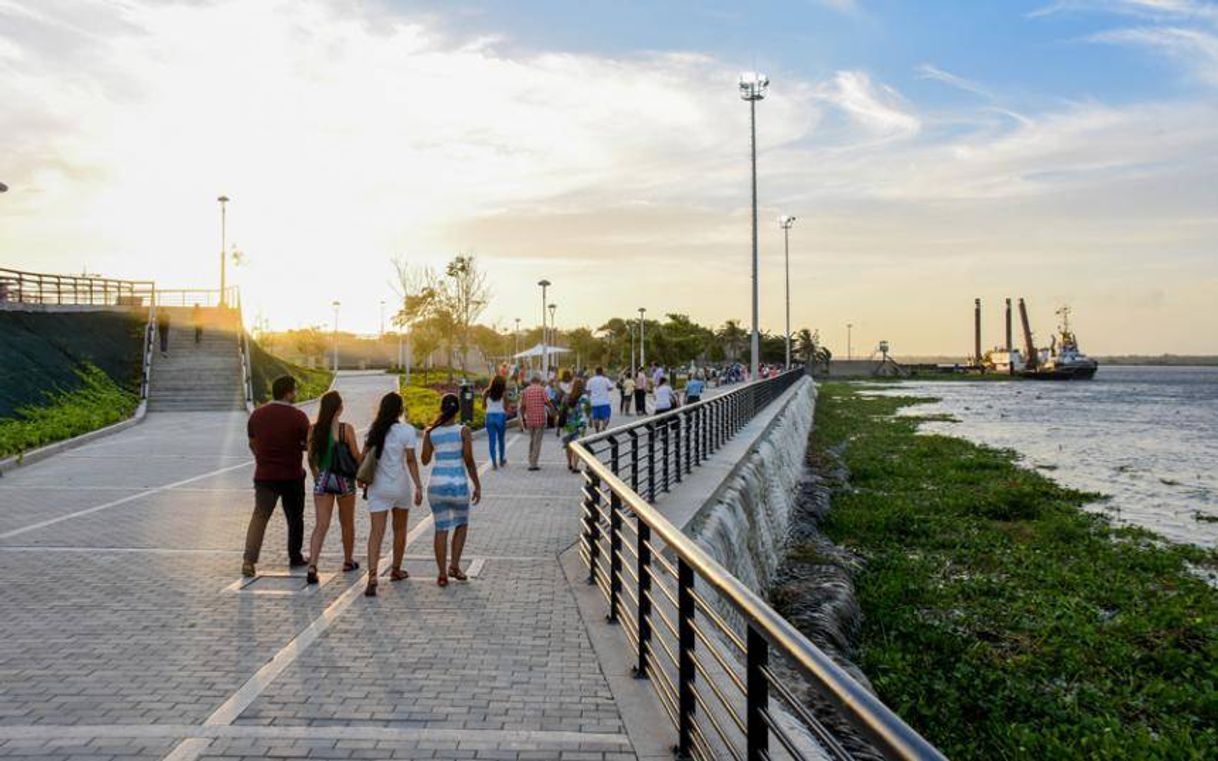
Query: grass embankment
x,y
266,367
1003,621
423,401
96,403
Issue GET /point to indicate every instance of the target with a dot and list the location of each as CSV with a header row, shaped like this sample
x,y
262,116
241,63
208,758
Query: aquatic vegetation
x,y
97,403
1000,618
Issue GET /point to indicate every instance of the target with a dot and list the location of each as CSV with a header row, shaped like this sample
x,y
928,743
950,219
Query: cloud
x,y
1159,10
842,6
929,71
1195,48
879,109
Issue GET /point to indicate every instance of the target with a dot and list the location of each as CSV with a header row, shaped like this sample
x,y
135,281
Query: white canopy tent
x,y
540,350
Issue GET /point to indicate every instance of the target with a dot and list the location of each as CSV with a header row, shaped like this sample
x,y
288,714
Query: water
x,y
1145,436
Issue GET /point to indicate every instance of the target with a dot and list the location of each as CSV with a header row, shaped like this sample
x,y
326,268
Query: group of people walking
x,y
386,466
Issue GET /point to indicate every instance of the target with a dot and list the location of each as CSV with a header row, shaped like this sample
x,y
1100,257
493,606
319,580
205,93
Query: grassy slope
x,y
266,367
1003,621
96,403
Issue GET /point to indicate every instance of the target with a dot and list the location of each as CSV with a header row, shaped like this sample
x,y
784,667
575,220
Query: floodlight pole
x,y
223,244
785,223
545,351
336,305
753,88
642,350
553,335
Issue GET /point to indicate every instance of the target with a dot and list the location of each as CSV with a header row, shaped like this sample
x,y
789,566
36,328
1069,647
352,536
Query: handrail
x,y
17,286
202,297
697,431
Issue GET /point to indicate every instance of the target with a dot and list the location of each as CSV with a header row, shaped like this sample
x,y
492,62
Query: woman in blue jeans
x,y
496,420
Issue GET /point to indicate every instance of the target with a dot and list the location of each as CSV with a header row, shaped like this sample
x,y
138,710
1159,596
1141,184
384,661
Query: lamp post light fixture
x,y
223,236
642,333
545,350
336,305
785,223
553,335
3,188
753,87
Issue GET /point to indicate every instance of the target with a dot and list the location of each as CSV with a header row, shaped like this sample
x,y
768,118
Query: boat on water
x,y
1062,360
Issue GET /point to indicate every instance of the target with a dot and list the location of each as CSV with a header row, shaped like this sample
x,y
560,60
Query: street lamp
x,y
785,223
223,235
642,351
753,87
553,332
3,188
382,336
849,345
545,353
630,330
336,305
516,335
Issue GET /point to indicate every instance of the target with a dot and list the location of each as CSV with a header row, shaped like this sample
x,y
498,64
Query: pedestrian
x,y
665,398
657,372
600,390
640,392
333,460
162,330
626,384
693,389
576,410
534,412
278,433
391,443
496,420
196,319
448,488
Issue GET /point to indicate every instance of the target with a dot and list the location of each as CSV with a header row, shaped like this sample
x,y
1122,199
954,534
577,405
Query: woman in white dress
x,y
393,443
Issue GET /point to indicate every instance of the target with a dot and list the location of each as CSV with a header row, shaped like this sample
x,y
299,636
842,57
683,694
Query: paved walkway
x,y
126,633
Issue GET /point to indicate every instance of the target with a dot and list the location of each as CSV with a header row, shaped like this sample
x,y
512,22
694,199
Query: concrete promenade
x,y
126,631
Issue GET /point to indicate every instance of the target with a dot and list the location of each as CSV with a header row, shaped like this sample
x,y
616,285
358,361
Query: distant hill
x,y
1160,359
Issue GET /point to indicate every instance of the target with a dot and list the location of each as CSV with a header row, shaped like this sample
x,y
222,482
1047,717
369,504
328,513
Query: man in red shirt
x,y
278,434
533,414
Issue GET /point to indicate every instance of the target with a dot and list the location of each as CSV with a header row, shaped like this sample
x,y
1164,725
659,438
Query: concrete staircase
x,y
202,376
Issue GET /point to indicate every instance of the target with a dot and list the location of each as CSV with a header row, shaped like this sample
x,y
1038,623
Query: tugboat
x,y
1062,360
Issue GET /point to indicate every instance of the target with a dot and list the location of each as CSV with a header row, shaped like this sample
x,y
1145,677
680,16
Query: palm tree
x,y
733,338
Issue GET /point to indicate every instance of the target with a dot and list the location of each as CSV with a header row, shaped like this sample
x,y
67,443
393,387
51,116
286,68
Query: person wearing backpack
x,y
389,471
334,460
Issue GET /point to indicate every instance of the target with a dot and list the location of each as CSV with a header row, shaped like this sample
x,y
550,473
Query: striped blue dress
x,y
448,487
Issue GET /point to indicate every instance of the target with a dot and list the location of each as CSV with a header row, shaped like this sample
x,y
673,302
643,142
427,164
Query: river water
x,y
1145,436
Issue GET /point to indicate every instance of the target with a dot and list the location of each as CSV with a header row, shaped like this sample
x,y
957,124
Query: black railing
x,y
726,687
70,290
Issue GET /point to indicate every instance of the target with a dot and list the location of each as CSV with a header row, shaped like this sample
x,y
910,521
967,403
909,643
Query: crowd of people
x,y
385,465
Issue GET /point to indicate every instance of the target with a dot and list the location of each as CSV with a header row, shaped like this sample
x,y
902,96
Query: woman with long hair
x,y
392,442
496,420
448,489
576,409
334,457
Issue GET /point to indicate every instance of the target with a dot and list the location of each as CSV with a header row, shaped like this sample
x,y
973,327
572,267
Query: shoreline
x,y
999,616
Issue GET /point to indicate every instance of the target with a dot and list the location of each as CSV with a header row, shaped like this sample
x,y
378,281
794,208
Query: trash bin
x,y
466,395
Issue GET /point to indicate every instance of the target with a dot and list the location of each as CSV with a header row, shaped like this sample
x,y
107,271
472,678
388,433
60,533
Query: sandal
x,y
397,574
456,573
441,581
350,565
370,590
311,576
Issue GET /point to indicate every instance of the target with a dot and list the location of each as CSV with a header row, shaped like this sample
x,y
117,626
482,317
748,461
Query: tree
x,y
732,338
310,342
587,347
465,296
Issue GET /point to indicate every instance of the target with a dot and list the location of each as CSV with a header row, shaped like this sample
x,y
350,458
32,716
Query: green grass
x,y
97,403
266,367
1003,621
423,406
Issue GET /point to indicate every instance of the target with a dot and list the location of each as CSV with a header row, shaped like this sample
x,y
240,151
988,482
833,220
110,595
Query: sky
x,y
1064,151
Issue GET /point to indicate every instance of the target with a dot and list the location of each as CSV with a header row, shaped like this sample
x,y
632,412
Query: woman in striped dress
x,y
448,489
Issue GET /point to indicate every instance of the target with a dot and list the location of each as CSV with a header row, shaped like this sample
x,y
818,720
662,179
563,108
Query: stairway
x,y
198,377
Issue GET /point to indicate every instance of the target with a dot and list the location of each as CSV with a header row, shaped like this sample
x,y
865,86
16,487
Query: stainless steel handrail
x,y
863,710
18,286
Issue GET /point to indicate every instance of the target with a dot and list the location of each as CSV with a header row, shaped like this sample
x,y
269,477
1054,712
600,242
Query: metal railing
x,y
729,671
71,290
203,297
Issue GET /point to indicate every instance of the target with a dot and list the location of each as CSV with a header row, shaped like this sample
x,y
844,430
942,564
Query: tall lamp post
x,y
382,334
553,333
630,330
849,338
516,336
753,87
642,351
785,223
336,305
223,235
545,350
